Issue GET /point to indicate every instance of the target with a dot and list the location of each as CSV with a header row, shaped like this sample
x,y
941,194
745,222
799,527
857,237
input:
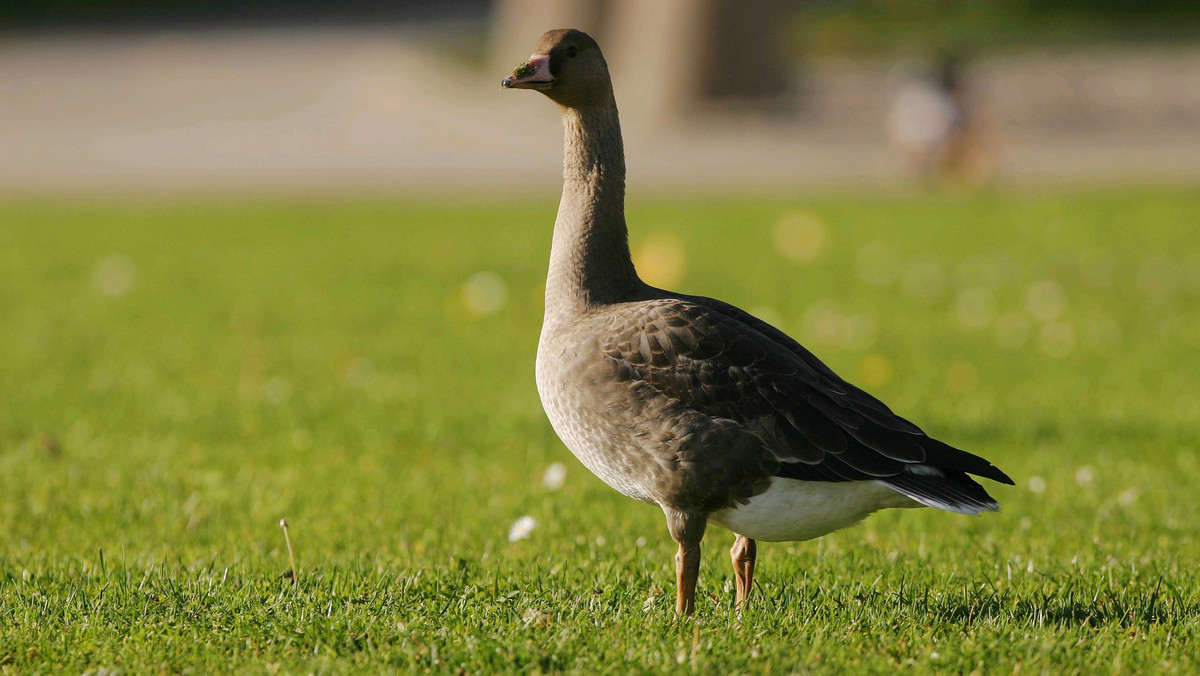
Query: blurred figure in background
x,y
937,128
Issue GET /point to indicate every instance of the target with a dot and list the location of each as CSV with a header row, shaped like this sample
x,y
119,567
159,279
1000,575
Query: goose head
x,y
567,67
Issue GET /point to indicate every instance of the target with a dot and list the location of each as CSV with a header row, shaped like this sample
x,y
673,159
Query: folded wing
x,y
728,365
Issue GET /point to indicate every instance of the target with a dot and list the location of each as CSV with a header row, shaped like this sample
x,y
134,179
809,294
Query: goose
x,y
690,403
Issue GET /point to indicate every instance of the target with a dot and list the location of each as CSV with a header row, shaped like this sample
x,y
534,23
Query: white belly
x,y
793,510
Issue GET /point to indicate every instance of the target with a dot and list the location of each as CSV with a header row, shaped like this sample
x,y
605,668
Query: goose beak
x,y
533,74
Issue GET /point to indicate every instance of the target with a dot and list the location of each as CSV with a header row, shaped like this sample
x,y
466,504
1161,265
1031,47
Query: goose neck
x,y
590,261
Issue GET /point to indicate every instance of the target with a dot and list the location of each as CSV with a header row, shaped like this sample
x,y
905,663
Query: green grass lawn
x,y
175,380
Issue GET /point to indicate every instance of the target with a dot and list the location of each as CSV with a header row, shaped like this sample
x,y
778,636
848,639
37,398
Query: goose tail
x,y
946,490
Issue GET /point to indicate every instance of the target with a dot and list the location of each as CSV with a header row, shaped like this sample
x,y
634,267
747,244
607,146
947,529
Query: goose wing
x,y
727,365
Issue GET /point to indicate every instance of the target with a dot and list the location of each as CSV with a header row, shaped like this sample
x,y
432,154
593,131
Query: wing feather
x,y
727,365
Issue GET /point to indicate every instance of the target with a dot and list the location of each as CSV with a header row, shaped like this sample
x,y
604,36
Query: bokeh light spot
x,y
800,236
1045,300
823,322
484,293
876,371
661,260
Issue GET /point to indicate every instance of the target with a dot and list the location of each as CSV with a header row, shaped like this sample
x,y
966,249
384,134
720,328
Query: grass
x,y
176,380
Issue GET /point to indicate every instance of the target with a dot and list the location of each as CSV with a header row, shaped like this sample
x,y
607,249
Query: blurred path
x,y
375,111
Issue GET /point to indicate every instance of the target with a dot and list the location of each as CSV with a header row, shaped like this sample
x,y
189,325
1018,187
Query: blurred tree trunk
x,y
667,57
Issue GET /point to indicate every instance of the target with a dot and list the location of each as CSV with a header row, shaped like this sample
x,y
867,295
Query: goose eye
x,y
572,51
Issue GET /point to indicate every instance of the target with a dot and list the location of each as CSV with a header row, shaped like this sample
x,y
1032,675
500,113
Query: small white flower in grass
x,y
554,476
1084,475
1037,484
521,528
1128,497
640,542
934,655
600,541
533,616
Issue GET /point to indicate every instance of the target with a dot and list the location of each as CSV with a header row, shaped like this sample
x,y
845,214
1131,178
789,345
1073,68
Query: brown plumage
x,y
688,402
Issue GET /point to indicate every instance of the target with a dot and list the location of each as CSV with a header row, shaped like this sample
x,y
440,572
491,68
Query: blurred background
x,y
286,259
125,97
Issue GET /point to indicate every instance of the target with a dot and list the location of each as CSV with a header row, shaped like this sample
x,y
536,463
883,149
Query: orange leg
x,y
687,529
742,554
687,573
